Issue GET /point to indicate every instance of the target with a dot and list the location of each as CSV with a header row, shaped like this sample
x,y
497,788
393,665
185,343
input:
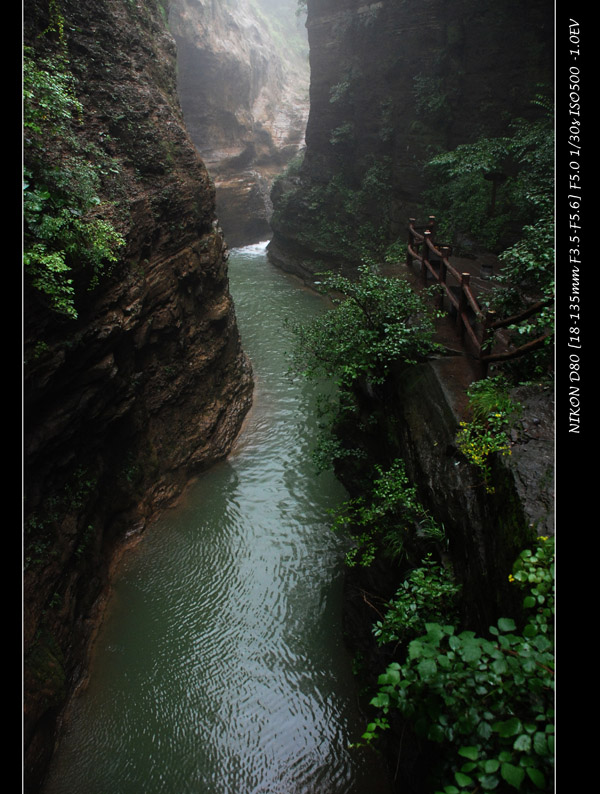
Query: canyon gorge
x,y
393,84
243,86
149,383
196,127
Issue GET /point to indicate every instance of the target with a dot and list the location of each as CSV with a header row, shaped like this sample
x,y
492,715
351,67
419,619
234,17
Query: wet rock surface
x,y
532,461
150,384
391,84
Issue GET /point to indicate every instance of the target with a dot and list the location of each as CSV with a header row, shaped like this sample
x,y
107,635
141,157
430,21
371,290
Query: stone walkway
x,y
532,461
458,368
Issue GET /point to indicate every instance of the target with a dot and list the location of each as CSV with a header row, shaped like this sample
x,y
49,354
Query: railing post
x,y
465,278
445,249
411,241
425,259
490,318
431,223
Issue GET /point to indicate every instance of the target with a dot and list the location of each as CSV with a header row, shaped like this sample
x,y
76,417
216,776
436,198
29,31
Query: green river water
x,y
220,667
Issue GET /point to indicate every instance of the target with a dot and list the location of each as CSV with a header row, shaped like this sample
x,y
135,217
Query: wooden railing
x,y
477,324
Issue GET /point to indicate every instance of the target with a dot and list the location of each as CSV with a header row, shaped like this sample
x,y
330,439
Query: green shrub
x,y
65,233
376,322
387,517
429,594
522,164
487,702
485,192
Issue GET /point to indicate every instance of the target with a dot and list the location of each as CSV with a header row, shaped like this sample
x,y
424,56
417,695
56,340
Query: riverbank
x,y
220,662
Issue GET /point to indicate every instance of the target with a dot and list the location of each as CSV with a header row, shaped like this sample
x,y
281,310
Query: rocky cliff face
x,y
392,84
416,417
243,83
149,384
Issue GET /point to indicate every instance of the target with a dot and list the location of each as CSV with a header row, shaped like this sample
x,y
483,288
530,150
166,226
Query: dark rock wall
x,y
485,530
392,84
149,385
416,417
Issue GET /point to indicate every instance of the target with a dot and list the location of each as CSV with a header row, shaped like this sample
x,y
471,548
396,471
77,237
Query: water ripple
x,y
220,667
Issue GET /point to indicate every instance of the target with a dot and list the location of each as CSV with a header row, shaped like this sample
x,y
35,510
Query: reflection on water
x,y
220,666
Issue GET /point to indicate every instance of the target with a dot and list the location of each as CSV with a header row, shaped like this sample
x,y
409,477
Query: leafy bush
x,y
521,164
376,321
64,231
388,516
487,432
429,594
499,193
488,702
349,217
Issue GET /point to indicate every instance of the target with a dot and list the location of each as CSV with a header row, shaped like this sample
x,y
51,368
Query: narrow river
x,y
220,666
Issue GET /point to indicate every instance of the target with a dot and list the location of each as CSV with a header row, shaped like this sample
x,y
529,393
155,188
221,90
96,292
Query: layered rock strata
x,y
149,385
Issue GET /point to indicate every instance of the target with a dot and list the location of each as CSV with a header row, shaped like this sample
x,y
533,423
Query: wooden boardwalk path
x,y
464,293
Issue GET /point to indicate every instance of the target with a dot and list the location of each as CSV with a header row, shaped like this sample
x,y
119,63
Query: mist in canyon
x,y
212,125
243,83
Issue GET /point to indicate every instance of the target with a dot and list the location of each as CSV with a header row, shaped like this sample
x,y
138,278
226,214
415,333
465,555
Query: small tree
x,y
376,322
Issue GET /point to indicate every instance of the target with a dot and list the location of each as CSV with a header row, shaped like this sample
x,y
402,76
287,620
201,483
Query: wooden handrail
x,y
517,318
466,299
519,351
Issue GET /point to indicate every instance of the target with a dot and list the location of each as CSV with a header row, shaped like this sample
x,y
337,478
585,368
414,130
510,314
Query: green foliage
x,y
385,517
376,321
65,234
487,432
429,594
293,167
487,702
432,98
340,90
163,8
529,263
330,449
491,395
49,100
528,274
342,134
460,194
488,189
521,163
343,219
